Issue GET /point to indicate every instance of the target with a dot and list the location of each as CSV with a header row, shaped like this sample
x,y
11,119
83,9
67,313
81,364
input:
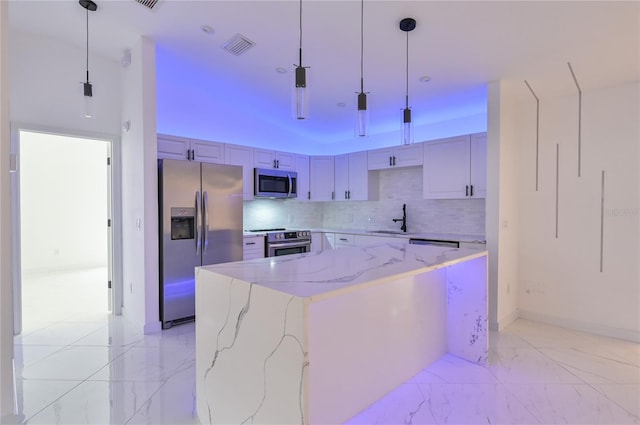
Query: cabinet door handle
x,y
343,239
349,192
394,160
390,161
471,191
466,190
345,195
277,163
333,196
250,243
309,195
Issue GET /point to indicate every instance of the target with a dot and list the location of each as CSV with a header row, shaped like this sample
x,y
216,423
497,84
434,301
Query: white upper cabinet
x,y
243,156
479,164
302,168
263,158
399,156
321,178
352,179
172,147
455,168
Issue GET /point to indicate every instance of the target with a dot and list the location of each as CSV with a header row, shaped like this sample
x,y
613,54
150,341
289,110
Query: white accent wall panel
x,y
560,278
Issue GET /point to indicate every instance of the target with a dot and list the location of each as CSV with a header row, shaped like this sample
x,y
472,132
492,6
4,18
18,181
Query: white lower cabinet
x,y
343,240
253,247
319,242
364,240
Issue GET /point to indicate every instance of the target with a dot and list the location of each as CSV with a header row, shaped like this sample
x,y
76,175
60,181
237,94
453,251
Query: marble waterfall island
x,y
316,338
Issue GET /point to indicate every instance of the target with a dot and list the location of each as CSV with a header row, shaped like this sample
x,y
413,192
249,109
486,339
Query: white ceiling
x,y
461,45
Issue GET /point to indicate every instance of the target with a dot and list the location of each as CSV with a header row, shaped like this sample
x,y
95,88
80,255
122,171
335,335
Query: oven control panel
x,y
298,235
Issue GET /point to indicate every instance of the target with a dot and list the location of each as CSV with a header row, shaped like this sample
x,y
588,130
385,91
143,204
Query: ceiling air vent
x,y
238,44
148,3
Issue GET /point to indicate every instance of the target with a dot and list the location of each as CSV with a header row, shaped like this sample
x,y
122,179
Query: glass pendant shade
x,y
407,127
88,107
362,116
301,100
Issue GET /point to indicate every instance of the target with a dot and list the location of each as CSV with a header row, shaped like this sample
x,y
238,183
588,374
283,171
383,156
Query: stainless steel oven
x,y
288,242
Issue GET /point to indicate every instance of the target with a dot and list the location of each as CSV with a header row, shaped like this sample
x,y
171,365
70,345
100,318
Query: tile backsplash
x,y
397,187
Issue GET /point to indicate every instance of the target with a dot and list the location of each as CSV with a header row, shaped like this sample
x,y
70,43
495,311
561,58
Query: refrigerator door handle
x,y
290,185
205,216
198,222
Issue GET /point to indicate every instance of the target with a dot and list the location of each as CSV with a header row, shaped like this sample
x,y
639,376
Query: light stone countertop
x,y
408,235
331,272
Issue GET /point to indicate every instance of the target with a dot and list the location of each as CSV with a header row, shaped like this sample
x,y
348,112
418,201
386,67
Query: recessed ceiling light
x,y
341,104
425,78
281,70
207,29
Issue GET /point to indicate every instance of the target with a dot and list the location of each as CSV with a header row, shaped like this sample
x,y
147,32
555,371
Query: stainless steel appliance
x,y
450,244
287,242
200,223
272,183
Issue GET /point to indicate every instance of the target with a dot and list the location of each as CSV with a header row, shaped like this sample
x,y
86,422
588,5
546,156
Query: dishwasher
x,y
435,242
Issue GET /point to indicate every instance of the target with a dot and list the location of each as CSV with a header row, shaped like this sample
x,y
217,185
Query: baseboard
x,y
507,320
593,328
147,328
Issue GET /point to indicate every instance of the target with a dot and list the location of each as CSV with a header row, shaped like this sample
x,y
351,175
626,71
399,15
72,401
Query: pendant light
x,y
301,101
407,25
87,88
362,114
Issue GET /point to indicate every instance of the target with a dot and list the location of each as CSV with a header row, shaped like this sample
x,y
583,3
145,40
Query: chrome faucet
x,y
403,219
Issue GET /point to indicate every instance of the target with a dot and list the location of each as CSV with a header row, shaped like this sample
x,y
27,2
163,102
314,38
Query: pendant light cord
x,y
361,46
407,75
300,33
87,45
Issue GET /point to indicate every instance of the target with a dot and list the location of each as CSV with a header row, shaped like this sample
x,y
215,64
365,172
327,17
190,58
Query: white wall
x,y
140,188
63,189
502,204
559,278
7,396
46,78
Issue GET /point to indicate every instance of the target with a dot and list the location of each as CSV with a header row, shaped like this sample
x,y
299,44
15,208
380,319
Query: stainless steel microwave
x,y
272,183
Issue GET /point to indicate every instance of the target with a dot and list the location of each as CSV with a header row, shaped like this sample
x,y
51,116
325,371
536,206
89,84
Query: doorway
x,y
64,229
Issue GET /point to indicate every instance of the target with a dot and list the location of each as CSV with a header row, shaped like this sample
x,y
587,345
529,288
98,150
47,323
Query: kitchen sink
x,y
388,232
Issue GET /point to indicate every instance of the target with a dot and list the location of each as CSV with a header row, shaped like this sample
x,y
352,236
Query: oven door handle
x,y
289,245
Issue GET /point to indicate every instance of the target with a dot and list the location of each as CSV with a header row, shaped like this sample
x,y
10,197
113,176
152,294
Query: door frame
x,y
114,194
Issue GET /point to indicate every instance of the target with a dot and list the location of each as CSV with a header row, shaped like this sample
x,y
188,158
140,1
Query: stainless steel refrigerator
x,y
200,206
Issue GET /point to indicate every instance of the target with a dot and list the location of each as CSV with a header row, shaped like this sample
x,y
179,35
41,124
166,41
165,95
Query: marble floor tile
x,y
59,333
97,402
626,396
593,368
35,395
453,370
570,404
467,404
71,363
147,364
173,404
103,370
524,365
405,405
